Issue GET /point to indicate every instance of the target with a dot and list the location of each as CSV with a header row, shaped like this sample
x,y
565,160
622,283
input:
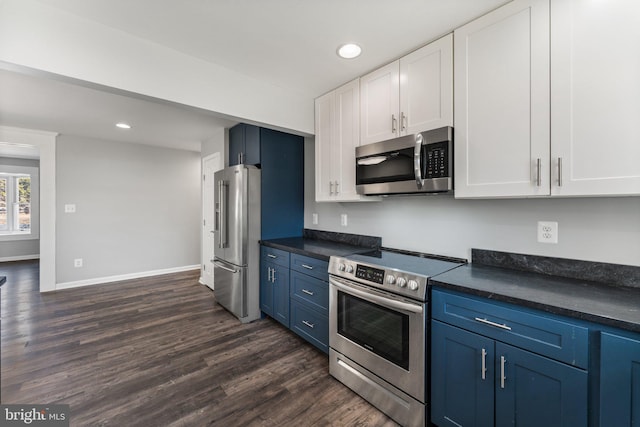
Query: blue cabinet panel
x,y
266,287
461,394
236,144
534,391
282,160
274,290
244,145
311,266
619,381
544,334
310,324
309,290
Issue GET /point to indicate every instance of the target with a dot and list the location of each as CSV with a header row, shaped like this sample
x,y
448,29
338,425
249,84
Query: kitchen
x,y
595,229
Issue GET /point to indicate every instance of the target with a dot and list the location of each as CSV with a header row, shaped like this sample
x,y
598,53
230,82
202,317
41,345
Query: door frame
x,y
203,236
46,144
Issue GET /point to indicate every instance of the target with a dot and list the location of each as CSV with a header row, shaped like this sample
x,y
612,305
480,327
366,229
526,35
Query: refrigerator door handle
x,y
222,217
224,267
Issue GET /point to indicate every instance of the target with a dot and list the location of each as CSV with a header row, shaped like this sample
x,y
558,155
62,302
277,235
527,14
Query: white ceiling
x,y
290,43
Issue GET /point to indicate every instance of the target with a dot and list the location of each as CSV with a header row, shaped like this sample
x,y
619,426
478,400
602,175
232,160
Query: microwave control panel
x,y
436,160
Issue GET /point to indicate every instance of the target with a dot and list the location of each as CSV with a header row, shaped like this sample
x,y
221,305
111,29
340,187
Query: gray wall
x,y
20,248
593,229
137,208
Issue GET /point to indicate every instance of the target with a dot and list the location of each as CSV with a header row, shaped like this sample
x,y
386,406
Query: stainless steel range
x,y
378,317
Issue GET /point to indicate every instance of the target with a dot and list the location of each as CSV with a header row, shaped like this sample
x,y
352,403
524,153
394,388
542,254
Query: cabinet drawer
x,y
276,256
310,290
545,334
311,266
310,325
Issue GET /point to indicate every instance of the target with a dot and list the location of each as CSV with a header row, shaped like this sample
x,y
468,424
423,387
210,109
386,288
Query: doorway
x,y
210,165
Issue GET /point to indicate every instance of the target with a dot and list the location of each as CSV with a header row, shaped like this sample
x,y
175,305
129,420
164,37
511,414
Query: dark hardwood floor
x,y
160,352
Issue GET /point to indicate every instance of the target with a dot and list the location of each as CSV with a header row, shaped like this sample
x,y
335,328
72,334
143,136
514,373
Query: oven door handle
x,y
386,302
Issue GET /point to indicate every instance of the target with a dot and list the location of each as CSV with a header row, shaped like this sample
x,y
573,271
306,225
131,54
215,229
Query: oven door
x,y
382,332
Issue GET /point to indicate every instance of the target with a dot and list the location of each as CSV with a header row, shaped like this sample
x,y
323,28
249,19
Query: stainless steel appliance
x,y
236,250
419,163
378,335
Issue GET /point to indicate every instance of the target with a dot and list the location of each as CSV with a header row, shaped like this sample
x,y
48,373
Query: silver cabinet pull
x,y
503,377
336,184
394,123
308,267
559,171
309,324
273,275
494,324
539,172
403,120
268,274
307,292
484,364
272,256
330,187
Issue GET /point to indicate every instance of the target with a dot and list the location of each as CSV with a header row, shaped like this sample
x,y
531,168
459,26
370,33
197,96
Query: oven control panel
x,y
370,274
392,280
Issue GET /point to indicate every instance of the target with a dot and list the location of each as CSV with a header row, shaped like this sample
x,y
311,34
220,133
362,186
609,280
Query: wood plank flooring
x,y
160,352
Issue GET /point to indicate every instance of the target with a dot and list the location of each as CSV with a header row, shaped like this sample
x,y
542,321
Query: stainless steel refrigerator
x,y
237,233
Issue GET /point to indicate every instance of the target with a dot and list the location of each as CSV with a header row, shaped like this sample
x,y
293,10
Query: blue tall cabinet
x,y
280,156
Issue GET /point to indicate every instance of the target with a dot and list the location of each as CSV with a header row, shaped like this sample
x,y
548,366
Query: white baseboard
x,y
19,258
118,278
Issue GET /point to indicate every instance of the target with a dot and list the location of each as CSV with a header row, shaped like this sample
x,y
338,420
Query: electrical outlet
x,y
547,232
314,218
70,208
343,220
77,262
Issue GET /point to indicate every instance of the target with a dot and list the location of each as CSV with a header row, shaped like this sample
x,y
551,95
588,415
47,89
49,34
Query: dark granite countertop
x,y
616,306
315,248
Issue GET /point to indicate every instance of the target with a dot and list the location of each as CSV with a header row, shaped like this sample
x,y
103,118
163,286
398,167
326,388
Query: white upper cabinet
x,y
548,99
337,136
502,102
595,97
410,95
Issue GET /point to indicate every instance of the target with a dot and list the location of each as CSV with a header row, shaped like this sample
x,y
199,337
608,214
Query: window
x,y
18,203
15,203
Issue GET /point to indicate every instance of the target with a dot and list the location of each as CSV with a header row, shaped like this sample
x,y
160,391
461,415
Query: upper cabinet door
x,y
426,87
595,97
501,108
324,146
379,104
347,138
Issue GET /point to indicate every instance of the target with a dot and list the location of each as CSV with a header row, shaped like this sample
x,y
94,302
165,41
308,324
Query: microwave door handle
x,y
417,160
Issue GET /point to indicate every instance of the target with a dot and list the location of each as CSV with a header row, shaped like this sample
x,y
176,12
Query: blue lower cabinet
x,y
619,381
310,324
274,291
461,394
534,391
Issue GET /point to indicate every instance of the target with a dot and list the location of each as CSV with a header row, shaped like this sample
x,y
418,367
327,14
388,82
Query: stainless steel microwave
x,y
418,163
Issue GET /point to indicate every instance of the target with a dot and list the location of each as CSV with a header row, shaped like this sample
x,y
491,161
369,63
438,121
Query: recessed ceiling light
x,y
123,125
349,51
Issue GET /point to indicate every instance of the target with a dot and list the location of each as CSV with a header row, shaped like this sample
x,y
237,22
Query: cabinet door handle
x,y
307,292
268,274
337,187
503,377
273,275
394,123
272,256
484,364
494,324
308,267
330,187
309,324
559,171
539,172
403,121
